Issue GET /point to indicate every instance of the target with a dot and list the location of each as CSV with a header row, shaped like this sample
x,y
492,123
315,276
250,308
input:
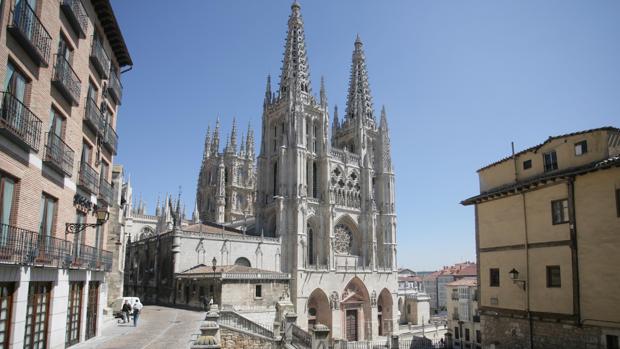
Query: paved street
x,y
158,328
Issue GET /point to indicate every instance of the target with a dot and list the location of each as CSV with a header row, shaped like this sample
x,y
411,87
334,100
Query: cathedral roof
x,y
233,272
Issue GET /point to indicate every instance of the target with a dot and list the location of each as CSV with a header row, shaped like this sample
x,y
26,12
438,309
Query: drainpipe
x,y
574,255
527,272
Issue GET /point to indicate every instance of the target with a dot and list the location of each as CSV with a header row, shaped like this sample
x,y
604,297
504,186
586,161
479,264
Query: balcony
x,y
476,318
93,117
66,80
31,34
19,123
115,88
58,154
106,194
88,179
110,139
26,247
76,14
100,59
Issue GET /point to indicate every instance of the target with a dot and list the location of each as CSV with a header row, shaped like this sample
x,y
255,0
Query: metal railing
x,y
105,192
58,154
378,344
20,122
421,343
235,320
76,14
110,139
92,258
66,80
93,117
30,31
88,178
115,87
100,58
300,338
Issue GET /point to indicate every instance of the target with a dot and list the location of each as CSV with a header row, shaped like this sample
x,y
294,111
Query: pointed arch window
x,y
315,189
311,252
275,178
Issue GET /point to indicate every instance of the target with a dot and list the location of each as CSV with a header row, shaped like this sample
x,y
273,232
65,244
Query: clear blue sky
x,y
460,81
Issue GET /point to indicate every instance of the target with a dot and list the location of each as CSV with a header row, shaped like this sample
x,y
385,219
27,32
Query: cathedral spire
x,y
359,100
215,145
249,145
383,123
233,136
386,152
323,94
207,148
336,123
295,74
196,214
267,92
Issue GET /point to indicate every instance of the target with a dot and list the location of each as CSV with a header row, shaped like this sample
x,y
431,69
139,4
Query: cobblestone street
x,y
158,328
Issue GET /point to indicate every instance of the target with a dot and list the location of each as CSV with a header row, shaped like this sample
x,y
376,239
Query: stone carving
x,y
334,301
342,239
373,299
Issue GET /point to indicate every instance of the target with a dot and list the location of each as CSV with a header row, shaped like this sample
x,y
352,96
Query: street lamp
x,y
102,215
514,276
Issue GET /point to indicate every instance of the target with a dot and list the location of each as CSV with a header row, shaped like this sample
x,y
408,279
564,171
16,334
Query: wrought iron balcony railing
x,y
111,139
30,32
19,122
21,246
115,88
58,154
88,178
100,59
66,80
76,14
93,117
105,192
90,257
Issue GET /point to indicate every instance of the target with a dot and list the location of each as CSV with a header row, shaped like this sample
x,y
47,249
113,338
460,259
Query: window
x,y
311,257
550,161
612,342
494,277
467,334
527,164
15,83
478,337
37,315
554,278
559,211
105,168
87,151
64,50
6,301
57,123
581,148
77,237
456,333
618,202
74,308
7,190
258,292
92,91
48,213
315,187
275,179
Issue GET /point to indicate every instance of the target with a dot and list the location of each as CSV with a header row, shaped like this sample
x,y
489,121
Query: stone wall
x,y
506,332
239,340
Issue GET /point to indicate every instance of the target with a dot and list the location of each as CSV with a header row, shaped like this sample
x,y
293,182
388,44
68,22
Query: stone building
x,y
60,64
547,223
227,180
329,198
463,317
434,283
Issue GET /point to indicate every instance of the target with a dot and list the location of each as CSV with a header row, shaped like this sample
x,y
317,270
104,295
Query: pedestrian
x,y
137,308
126,309
210,303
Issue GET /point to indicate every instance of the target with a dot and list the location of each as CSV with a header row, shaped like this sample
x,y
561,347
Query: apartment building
x,y
435,283
463,317
60,64
547,223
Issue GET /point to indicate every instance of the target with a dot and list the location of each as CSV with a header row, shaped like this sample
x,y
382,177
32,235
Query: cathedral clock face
x,y
342,239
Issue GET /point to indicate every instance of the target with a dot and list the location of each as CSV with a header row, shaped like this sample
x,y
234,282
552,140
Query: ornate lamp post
x,y
102,215
514,276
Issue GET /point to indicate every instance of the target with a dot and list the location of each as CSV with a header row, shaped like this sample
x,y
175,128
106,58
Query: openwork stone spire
x,y
295,75
359,100
232,145
249,145
215,145
385,141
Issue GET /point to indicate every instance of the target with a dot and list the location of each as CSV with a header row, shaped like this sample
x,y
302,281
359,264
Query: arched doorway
x,y
318,309
384,312
355,308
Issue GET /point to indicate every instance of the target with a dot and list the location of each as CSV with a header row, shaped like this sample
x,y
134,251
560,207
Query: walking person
x,y
126,309
137,308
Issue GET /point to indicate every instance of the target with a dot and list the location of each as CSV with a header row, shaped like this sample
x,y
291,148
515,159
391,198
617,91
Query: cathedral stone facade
x,y
226,182
330,199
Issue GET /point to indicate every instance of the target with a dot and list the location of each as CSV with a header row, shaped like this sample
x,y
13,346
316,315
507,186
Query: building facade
x,y
547,223
434,284
227,179
463,317
60,65
330,199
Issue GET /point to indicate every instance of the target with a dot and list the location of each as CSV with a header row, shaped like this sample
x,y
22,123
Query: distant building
x,y
413,304
547,223
435,282
463,318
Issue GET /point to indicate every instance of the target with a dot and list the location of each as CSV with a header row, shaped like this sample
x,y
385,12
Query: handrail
x,y
76,14
88,178
20,121
93,116
233,319
59,153
300,337
67,78
26,21
100,58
